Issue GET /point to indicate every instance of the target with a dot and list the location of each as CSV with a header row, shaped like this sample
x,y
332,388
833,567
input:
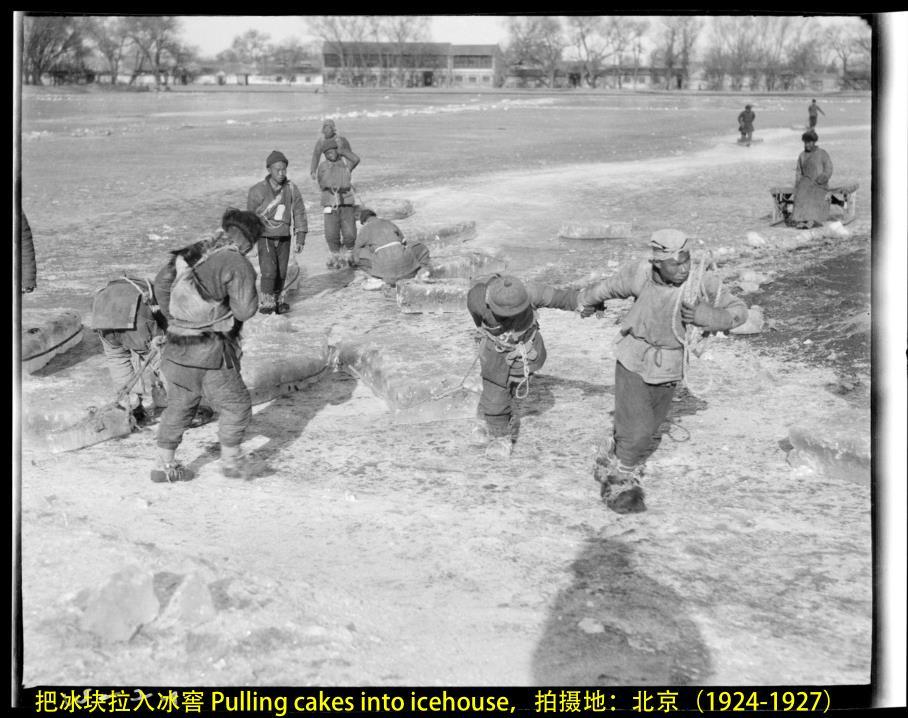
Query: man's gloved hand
x,y
703,315
300,241
159,340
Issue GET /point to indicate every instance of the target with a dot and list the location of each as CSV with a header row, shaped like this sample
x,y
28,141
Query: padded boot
x,y
479,435
499,448
266,304
171,473
236,467
622,493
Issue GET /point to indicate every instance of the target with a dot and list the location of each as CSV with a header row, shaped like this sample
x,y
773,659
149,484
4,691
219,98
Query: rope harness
x,y
147,296
515,350
690,293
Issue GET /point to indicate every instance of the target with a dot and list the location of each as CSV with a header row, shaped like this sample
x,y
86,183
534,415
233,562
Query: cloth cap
x,y
329,145
809,136
746,107
275,156
506,296
666,243
328,123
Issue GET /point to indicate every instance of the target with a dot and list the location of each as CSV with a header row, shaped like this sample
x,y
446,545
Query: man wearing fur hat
x,y
812,174
510,350
278,202
206,291
335,182
650,354
329,134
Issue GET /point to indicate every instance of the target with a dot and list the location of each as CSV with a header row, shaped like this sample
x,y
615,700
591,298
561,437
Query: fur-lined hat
x,y
249,223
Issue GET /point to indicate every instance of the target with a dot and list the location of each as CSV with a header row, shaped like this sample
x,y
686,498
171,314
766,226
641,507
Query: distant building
x,y
412,64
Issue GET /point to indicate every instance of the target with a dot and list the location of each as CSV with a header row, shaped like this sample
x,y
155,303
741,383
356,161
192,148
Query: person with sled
x,y
746,125
812,174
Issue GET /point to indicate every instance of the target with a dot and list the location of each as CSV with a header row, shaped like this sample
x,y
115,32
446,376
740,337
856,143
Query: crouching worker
x,y
130,325
649,354
206,291
510,351
382,251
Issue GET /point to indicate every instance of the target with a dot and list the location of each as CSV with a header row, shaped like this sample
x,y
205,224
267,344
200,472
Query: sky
x,y
214,33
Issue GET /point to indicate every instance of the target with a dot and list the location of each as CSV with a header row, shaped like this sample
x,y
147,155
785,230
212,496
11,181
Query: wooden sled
x,y
107,422
844,196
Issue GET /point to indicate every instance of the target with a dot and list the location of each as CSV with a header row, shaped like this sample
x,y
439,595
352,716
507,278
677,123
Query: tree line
x,y
732,51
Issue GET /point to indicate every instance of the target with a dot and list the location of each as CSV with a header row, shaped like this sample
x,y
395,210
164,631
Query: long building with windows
x,y
412,64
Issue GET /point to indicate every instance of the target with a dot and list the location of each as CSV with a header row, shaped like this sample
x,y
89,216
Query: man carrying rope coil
x,y
651,353
510,350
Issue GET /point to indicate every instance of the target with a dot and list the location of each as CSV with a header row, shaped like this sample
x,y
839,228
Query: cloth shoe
x,y
281,308
266,304
335,261
479,435
236,467
171,473
622,493
499,448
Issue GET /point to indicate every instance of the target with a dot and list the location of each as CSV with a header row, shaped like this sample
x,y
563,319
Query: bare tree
x,y
343,34
688,30
619,33
537,40
398,31
111,37
734,49
804,57
288,54
46,42
774,35
585,33
637,30
252,47
666,53
154,36
849,41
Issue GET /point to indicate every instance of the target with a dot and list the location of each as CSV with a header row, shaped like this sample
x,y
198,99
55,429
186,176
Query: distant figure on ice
x,y
28,269
746,125
510,351
812,109
280,205
382,250
329,132
649,355
206,291
812,175
334,176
